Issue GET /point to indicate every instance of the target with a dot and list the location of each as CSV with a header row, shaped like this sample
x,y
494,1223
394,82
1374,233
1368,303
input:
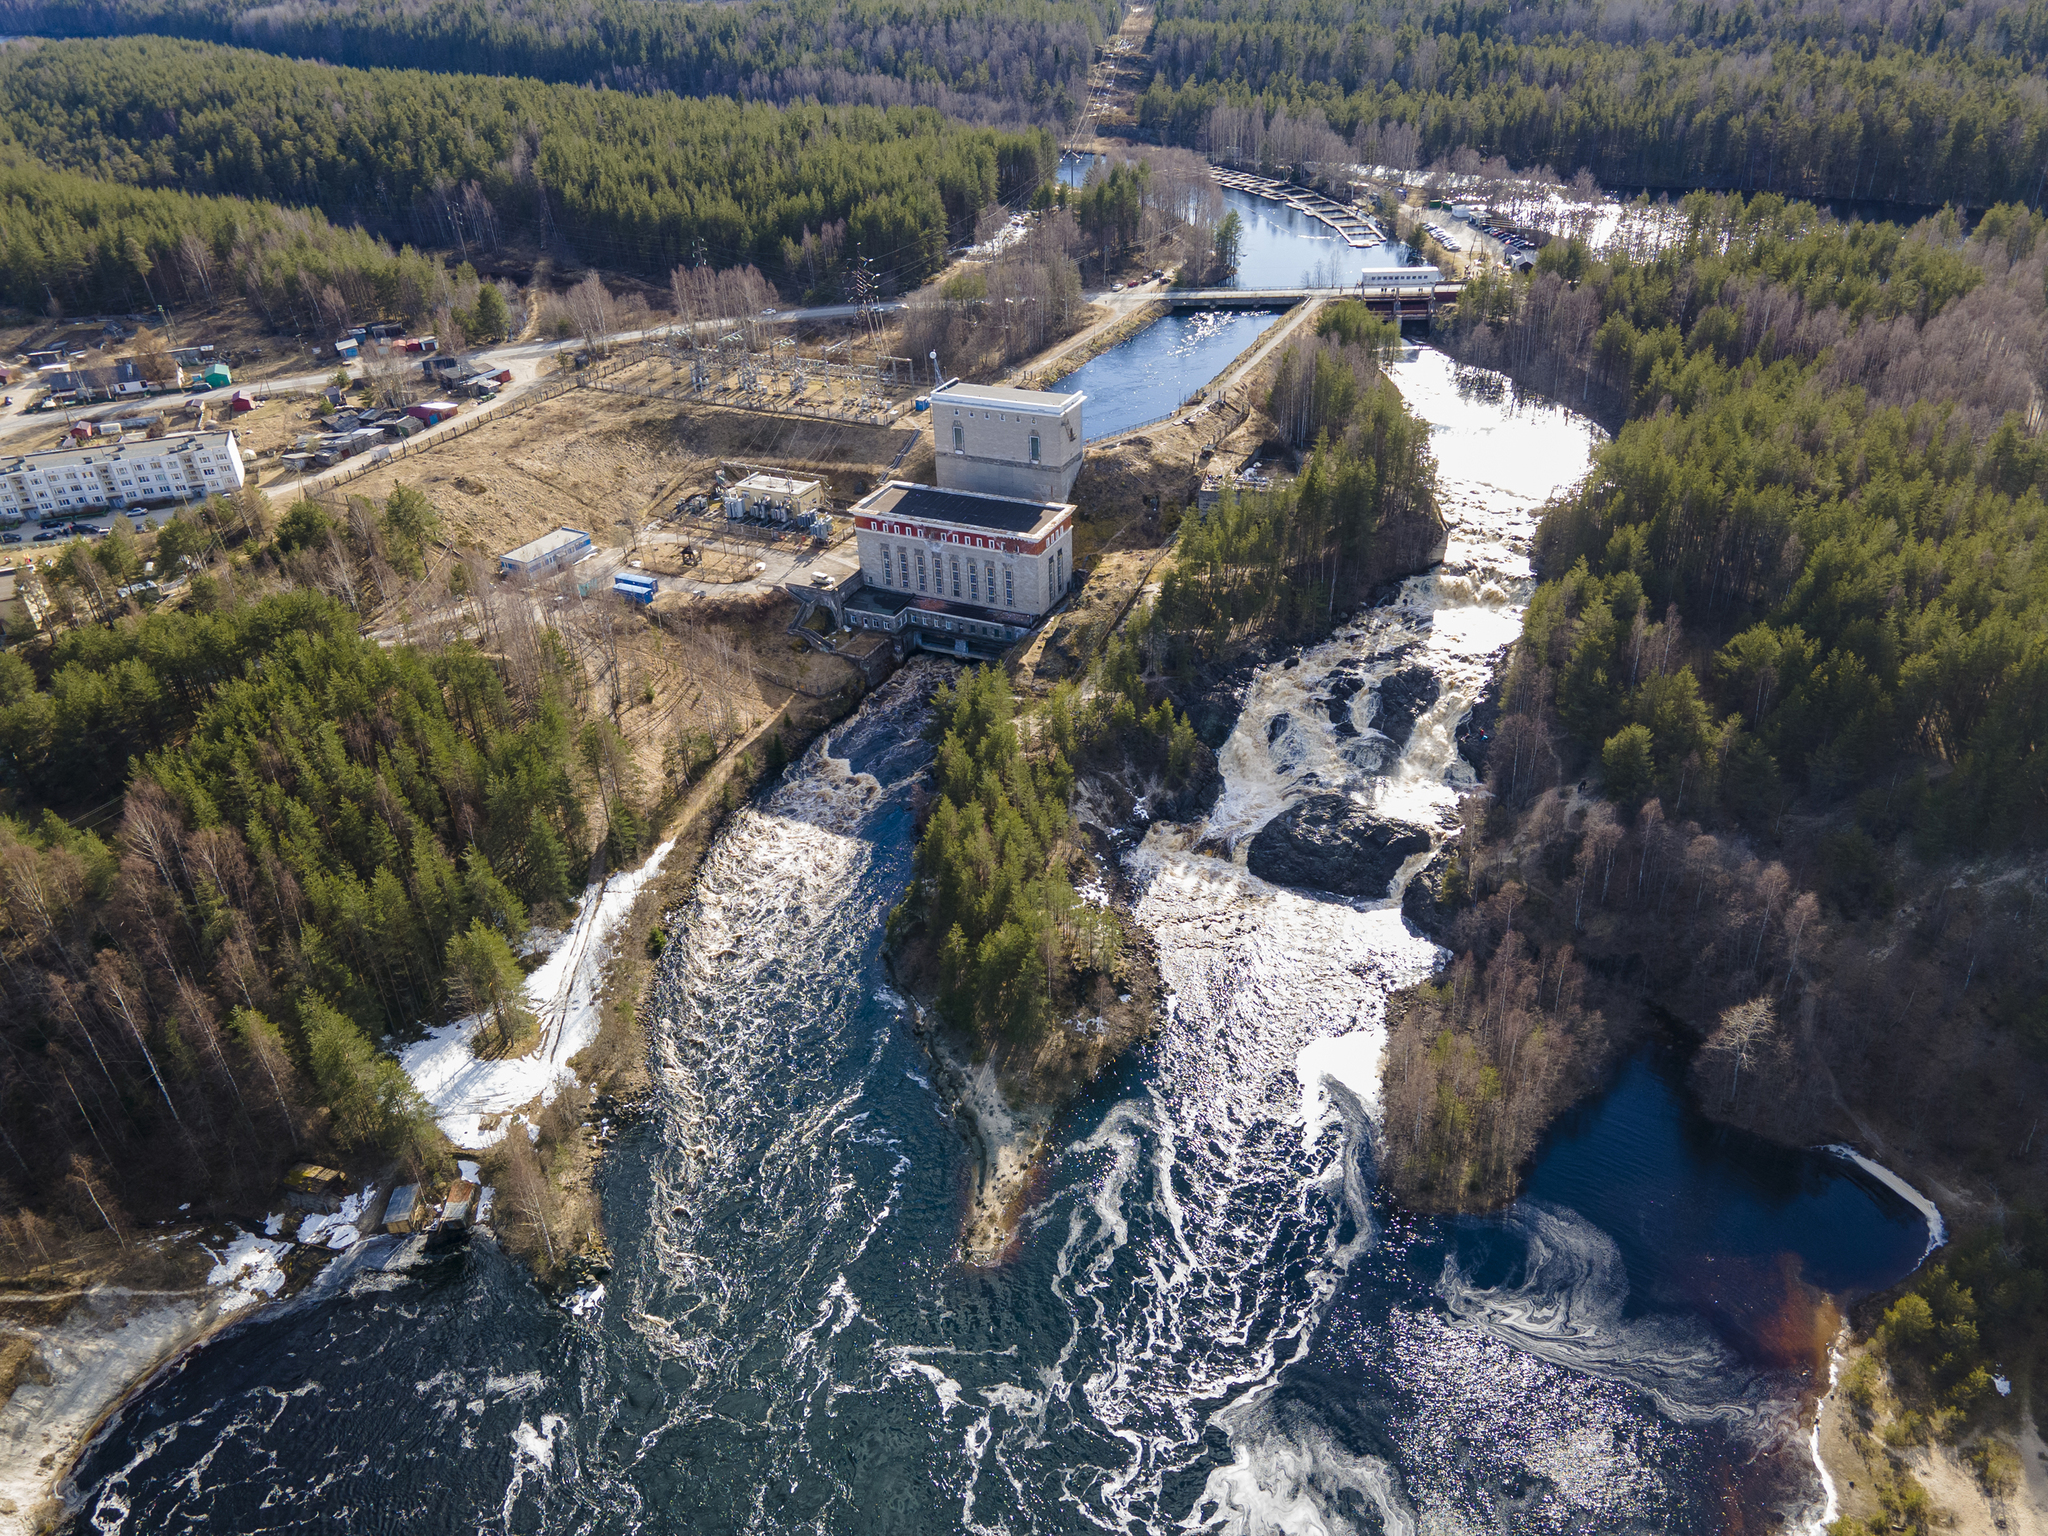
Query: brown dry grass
x,y
605,463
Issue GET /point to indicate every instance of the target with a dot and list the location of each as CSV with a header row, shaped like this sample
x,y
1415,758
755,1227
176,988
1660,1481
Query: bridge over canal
x,y
1400,301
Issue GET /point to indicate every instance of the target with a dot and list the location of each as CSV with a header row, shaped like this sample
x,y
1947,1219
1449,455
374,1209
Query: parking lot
x,y
94,527
1461,235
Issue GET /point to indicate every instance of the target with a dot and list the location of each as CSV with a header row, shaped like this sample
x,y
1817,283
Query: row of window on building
x,y
69,479
896,568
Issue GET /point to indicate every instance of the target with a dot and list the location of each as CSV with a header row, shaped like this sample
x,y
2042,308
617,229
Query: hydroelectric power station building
x,y
970,565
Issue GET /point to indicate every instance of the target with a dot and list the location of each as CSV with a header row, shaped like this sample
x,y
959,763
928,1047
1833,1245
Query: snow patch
x,y
566,992
584,1303
249,1267
339,1230
1831,1503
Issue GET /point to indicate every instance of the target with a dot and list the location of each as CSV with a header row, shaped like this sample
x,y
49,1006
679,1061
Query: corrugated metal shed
x,y
552,550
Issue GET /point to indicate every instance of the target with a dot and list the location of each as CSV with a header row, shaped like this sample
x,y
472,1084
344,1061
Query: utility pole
x,y
864,302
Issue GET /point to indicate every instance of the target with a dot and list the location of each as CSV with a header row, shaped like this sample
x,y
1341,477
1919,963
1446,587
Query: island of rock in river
x,y
1332,843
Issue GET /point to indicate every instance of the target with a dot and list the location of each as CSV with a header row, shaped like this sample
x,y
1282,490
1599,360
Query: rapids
x,y
1212,1322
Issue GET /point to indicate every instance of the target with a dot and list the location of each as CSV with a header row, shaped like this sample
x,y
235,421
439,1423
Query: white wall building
x,y
782,497
952,570
552,551
1007,442
145,472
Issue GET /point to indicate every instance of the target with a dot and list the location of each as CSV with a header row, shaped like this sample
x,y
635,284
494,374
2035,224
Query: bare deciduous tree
x,y
595,312
1745,1031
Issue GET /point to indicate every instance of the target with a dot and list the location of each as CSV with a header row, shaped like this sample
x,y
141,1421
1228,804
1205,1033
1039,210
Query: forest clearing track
x,y
1119,73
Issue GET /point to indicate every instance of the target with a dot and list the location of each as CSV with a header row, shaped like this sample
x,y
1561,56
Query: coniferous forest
x,y
638,184
311,832
1018,61
1923,106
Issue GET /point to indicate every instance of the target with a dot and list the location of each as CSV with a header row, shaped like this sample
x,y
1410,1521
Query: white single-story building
x,y
550,552
782,497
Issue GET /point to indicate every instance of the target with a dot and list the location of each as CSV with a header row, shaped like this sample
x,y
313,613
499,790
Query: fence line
x,y
379,458
1139,426
538,393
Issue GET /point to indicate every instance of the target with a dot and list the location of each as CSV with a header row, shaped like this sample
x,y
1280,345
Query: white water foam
x,y
533,1458
1567,1306
1271,986
1287,1476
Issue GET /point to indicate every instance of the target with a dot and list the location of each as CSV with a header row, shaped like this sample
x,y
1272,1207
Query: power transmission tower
x,y
547,217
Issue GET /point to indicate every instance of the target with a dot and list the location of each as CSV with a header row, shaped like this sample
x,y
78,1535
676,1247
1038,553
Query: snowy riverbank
x,y
92,1348
565,991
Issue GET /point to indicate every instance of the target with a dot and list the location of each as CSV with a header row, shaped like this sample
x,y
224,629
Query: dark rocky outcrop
x,y
1339,688
1402,697
1332,843
1402,545
1212,695
1422,899
1475,731
1125,783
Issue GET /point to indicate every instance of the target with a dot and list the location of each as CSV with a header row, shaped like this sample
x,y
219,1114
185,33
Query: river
x,y
1212,1321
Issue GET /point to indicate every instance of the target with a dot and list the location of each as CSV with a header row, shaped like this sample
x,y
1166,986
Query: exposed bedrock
x,y
1332,843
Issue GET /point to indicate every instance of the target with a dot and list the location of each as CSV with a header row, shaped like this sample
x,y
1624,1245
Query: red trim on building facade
x,y
993,545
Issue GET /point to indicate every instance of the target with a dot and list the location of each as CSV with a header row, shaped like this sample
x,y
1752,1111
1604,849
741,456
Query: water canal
x,y
1149,376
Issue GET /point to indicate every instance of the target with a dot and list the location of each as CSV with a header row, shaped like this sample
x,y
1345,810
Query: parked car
x,y
47,536
10,538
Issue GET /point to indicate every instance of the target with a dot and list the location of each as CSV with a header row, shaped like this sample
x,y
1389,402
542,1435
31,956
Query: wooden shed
x,y
310,1187
408,1210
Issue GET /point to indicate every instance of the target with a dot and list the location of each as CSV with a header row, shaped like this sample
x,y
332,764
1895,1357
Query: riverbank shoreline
x,y
84,1372
616,1068
120,1360
76,1356
1093,345
1007,1141
1007,1099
